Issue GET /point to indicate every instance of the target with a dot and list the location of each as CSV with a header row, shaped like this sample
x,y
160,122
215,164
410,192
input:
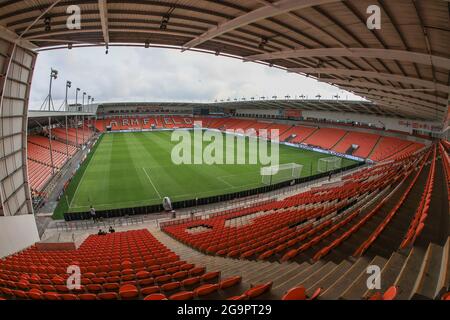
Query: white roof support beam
x,y
274,9
374,75
14,38
412,101
384,54
401,111
369,85
398,103
103,8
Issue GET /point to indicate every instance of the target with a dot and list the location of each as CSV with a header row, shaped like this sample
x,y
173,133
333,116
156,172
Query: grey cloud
x,y
137,74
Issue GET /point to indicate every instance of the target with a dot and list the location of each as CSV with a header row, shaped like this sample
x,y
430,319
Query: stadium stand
x,y
43,155
373,146
298,247
273,227
297,134
74,137
38,175
315,239
40,157
123,265
389,146
57,146
325,137
237,124
318,225
282,129
365,141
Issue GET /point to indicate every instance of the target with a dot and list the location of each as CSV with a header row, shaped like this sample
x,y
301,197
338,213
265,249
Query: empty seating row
x,y
38,175
297,134
44,156
372,146
40,159
365,141
56,146
325,138
269,230
342,228
383,210
372,237
390,146
123,265
76,137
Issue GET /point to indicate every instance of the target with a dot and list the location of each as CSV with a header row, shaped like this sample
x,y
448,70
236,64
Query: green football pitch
x,y
135,169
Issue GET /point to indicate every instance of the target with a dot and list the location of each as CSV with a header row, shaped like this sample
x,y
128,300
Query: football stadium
x,y
252,199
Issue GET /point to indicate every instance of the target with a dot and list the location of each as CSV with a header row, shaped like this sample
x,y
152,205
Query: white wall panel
x,y
18,64
11,227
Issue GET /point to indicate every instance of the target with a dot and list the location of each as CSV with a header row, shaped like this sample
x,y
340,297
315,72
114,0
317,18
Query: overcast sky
x,y
138,74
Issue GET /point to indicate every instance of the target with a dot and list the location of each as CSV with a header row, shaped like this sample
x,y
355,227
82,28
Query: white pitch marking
x,y
149,179
226,182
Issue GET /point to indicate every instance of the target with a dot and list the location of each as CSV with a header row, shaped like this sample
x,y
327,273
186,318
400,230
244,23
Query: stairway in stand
x,y
418,273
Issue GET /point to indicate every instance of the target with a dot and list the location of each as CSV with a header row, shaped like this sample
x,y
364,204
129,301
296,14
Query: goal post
x,y
329,164
280,173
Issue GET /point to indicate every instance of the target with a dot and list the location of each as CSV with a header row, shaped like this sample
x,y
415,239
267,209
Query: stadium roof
x,y
349,106
35,114
402,67
42,118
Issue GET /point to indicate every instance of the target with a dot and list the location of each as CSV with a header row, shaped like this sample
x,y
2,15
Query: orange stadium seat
x,y
365,141
258,290
184,295
97,282
325,138
156,296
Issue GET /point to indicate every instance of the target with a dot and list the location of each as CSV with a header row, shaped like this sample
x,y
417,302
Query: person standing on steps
x,y
93,214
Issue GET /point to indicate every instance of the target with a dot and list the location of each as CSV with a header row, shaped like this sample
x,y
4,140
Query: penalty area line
x,y
225,182
149,179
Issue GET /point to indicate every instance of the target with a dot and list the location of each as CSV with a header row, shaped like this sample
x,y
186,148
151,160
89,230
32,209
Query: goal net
x,y
329,164
280,173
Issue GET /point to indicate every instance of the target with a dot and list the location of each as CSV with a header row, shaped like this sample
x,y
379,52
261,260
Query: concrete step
x,y
444,274
437,224
229,266
426,286
296,278
446,278
318,275
332,276
271,272
274,268
408,275
389,273
335,291
286,277
359,286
